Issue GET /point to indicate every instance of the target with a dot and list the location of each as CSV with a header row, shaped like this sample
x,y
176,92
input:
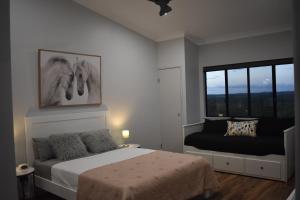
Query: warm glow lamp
x,y
125,135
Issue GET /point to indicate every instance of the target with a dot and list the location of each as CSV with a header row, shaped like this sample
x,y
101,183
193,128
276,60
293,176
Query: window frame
x,y
205,80
248,66
247,82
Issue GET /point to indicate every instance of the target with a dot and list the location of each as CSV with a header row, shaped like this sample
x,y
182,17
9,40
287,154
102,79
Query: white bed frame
x,y
275,167
43,124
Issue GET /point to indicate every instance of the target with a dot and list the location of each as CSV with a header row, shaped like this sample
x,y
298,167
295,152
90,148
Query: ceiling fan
x,y
164,7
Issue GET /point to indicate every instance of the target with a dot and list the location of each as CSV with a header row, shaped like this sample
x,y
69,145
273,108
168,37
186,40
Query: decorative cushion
x,y
98,141
68,146
243,128
42,149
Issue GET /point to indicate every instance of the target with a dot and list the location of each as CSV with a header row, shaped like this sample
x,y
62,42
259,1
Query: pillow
x,y
273,127
35,150
42,149
215,126
243,128
67,146
98,141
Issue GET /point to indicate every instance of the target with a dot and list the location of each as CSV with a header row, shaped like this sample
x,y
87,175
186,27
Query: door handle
x,y
178,114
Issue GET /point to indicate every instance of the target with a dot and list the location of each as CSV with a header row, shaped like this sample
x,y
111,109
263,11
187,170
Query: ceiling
x,y
203,21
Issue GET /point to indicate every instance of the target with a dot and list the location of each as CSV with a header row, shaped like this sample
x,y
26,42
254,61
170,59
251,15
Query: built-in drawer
x,y
207,156
228,163
262,168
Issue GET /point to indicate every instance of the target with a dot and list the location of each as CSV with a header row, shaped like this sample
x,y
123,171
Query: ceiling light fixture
x,y
164,7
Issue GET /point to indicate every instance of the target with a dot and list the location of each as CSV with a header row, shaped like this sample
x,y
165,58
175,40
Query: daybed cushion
x,y
273,127
260,145
215,126
42,149
67,146
98,141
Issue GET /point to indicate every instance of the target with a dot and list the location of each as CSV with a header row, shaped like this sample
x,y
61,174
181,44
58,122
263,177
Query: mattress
x,y
43,168
158,175
264,145
67,173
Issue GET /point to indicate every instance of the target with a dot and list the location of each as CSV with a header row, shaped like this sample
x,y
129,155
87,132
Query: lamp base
x,y
124,145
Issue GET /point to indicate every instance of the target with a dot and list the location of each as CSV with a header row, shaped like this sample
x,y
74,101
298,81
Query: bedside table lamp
x,y
125,136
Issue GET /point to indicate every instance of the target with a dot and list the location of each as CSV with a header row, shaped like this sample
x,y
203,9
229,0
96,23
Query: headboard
x,y
43,125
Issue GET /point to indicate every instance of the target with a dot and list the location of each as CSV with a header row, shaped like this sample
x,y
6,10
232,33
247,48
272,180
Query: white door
x,y
170,108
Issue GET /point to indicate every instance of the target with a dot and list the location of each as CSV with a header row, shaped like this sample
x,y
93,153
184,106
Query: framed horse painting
x,y
68,79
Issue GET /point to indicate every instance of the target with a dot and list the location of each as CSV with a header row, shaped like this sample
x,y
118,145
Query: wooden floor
x,y
236,187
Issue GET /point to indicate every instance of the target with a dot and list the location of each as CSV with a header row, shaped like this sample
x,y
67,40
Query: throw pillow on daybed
x,y
68,146
98,141
215,126
242,128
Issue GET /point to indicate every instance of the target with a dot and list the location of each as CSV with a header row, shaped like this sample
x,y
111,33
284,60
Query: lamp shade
x,y
125,134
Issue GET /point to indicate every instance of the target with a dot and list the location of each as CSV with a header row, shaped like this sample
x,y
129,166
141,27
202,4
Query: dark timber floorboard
x,y
236,187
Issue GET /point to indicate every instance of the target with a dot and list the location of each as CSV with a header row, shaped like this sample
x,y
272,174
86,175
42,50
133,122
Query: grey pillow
x,y
42,149
68,146
98,141
35,150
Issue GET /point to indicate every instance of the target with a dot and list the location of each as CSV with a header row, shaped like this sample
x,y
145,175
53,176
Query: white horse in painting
x,y
87,73
57,81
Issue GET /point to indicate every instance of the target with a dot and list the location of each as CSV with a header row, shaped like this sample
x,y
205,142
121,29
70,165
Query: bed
x,y
125,173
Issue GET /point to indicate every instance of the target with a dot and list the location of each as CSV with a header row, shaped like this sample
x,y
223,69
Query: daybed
x,y
269,155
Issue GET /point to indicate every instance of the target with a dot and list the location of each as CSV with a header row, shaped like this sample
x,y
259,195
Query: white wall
x,y
192,82
273,46
184,54
170,54
129,67
129,64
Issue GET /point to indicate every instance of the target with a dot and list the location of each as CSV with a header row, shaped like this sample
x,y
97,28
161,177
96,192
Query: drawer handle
x,y
262,168
227,163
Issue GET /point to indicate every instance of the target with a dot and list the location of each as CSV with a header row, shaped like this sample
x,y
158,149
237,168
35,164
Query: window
x,y
261,91
257,89
216,99
237,92
285,90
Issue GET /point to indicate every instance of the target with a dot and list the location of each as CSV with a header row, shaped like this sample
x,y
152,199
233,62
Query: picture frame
x,y
68,79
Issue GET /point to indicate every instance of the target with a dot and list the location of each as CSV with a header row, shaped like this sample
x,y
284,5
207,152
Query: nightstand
x,y
23,177
130,146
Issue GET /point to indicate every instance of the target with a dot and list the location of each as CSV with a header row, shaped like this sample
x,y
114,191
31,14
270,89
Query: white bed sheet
x,y
66,173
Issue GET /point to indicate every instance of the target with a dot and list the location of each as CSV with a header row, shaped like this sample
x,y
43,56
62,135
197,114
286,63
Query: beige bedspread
x,y
158,175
